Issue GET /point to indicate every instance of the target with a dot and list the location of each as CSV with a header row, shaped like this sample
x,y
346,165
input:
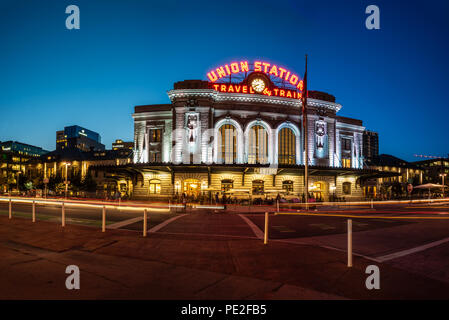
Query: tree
x,y
88,184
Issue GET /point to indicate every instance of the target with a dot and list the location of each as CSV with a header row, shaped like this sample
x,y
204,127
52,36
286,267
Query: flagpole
x,y
306,144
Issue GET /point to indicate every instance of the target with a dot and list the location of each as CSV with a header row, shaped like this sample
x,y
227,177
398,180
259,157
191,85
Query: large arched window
x,y
287,146
227,152
257,145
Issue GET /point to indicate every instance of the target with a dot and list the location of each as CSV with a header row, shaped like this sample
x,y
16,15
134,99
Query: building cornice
x,y
248,98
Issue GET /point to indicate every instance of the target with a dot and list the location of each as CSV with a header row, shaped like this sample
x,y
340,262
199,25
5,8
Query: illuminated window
x,y
258,186
346,187
227,152
287,185
346,163
226,185
287,146
155,186
257,145
156,135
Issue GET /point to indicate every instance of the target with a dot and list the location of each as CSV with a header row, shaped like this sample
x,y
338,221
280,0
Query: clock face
x,y
258,84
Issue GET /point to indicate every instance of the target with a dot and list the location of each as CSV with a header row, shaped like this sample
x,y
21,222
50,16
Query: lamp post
x,y
442,175
66,178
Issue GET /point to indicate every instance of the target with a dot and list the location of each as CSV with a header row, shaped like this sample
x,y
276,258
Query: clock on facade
x,y
258,84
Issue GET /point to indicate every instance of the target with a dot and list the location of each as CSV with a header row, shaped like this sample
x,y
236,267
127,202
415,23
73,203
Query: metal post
x,y
66,181
144,222
372,205
277,203
34,211
62,215
349,242
265,236
103,220
10,208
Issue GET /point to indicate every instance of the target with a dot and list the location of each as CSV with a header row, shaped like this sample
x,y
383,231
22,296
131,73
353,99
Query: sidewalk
x,y
122,264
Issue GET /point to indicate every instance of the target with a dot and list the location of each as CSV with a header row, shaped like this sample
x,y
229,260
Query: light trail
x,y
359,217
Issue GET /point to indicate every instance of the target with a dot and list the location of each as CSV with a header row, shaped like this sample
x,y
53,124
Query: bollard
x,y
144,222
34,211
10,208
63,215
349,242
372,206
265,236
277,203
103,220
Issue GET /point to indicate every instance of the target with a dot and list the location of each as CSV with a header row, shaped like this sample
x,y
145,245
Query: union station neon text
x,y
259,66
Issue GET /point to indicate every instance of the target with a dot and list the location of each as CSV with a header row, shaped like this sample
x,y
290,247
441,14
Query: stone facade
x,y
188,131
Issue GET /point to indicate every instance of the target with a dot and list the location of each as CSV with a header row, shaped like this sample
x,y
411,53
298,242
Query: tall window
x,y
155,135
346,163
346,144
257,145
287,146
228,144
287,186
258,186
155,186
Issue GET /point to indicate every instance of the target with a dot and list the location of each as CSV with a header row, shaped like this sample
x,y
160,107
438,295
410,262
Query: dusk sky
x,y
129,53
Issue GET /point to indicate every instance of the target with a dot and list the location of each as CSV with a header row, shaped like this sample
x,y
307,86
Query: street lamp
x,y
442,175
66,181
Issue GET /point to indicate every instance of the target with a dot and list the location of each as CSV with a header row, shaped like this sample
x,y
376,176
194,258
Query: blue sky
x,y
131,52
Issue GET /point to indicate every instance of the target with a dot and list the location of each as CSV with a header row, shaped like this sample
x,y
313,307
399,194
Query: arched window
x,y
155,186
287,146
346,187
227,152
287,185
258,186
257,145
226,185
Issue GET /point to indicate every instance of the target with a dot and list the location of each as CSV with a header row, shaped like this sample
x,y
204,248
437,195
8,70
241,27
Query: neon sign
x,y
259,66
241,88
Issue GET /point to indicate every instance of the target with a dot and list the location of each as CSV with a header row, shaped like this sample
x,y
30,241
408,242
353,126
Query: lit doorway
x,y
319,191
192,187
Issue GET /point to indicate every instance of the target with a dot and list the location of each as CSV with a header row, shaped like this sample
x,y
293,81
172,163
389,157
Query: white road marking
x,y
257,232
298,241
124,223
412,250
163,224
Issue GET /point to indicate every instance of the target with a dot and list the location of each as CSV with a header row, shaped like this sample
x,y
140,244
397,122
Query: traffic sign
x,y
409,188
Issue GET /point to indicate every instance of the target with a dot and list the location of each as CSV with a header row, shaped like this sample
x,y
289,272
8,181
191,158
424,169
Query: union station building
x,y
241,133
